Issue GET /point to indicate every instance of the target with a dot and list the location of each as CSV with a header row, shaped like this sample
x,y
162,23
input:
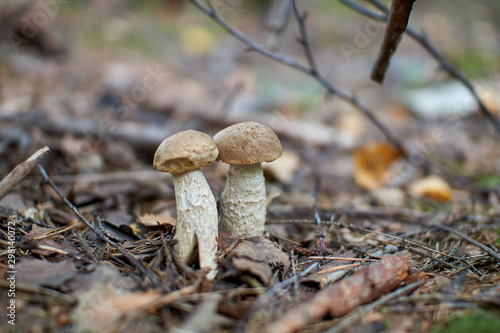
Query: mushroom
x,y
182,155
242,205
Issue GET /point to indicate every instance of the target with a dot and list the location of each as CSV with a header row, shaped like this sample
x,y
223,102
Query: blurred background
x,y
104,82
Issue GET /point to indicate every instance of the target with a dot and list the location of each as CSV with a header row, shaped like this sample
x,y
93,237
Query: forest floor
x,y
408,241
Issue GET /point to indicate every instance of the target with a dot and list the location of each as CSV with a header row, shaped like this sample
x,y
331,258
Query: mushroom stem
x,y
196,217
243,201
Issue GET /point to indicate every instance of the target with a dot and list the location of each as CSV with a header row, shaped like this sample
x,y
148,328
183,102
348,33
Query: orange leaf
x,y
372,163
431,187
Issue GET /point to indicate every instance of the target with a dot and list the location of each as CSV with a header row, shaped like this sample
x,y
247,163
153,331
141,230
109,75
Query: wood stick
x,y
363,287
21,171
396,26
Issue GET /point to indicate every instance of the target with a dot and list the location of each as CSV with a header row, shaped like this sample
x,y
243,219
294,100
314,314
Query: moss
x,y
477,322
476,64
489,180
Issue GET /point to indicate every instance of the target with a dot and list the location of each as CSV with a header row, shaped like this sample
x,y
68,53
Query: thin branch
x,y
133,260
270,295
422,40
52,295
304,39
468,239
317,217
252,46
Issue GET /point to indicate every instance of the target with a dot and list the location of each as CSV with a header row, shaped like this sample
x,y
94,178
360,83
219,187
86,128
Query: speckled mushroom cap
x,y
185,151
247,143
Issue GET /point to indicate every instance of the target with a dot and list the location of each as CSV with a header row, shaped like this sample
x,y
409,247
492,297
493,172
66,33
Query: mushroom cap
x,y
247,143
185,151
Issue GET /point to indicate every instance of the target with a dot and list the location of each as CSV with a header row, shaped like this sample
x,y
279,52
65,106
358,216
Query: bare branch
x,y
422,40
309,71
304,39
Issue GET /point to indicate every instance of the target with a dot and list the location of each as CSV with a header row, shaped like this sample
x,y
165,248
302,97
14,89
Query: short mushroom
x,y
244,146
182,155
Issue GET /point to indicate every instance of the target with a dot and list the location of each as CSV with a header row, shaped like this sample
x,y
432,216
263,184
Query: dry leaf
x,y
36,237
351,124
154,220
44,273
100,308
101,273
284,168
258,256
431,187
372,163
389,197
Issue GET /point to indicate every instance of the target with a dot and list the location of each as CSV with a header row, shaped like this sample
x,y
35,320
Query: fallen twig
x,y
21,171
133,261
271,293
351,319
55,296
317,217
364,286
468,239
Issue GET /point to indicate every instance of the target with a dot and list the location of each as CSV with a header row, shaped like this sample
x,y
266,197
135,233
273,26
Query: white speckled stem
x,y
196,217
243,201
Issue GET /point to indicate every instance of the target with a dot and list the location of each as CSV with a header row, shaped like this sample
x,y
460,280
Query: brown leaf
x,y
44,273
261,270
102,273
100,308
431,187
372,163
36,237
256,255
154,220
366,285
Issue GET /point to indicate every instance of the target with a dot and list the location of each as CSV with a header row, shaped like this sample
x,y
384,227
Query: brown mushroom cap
x,y
247,143
185,151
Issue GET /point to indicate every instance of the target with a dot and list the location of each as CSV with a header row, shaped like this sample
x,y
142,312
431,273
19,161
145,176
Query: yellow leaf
x,y
372,163
431,187
196,41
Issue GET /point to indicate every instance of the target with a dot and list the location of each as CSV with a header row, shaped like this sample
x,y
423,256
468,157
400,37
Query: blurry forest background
x,y
102,83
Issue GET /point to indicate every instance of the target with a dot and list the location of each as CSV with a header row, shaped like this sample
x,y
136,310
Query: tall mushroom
x,y
243,201
182,155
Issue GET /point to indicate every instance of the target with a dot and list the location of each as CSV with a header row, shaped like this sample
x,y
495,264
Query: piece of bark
x,y
396,26
21,171
363,287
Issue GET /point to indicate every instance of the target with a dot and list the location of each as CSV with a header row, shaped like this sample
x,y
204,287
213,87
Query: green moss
x,y
145,5
478,322
477,64
489,181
